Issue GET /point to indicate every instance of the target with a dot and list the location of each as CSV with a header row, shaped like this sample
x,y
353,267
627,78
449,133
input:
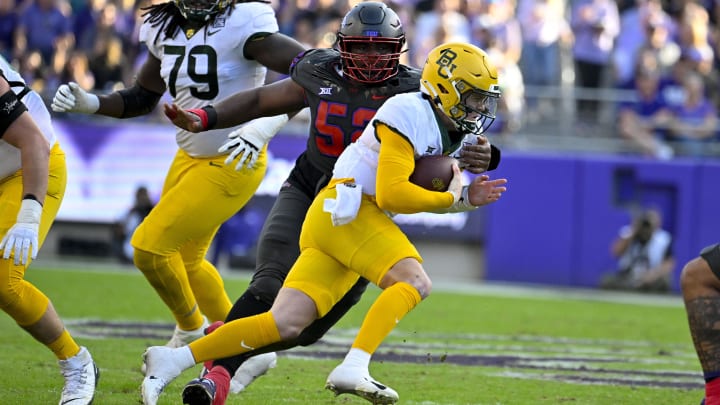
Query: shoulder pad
x,y
252,17
408,79
314,65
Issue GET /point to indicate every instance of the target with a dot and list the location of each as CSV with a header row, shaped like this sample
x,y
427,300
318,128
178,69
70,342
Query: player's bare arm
x,y
282,97
274,51
25,135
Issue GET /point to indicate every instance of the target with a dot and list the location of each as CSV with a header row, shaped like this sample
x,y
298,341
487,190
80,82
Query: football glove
x,y
71,98
247,141
22,239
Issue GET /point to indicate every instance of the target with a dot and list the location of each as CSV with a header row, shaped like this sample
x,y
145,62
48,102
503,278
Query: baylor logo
x,y
445,63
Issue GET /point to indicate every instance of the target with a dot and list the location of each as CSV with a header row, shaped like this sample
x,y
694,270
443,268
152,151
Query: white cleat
x,y
357,381
251,369
81,377
182,338
161,370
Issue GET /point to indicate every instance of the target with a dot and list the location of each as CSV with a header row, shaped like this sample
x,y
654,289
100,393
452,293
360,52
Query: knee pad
x,y
711,254
266,284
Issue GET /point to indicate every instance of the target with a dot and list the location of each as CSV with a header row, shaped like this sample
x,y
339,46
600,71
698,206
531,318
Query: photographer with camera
x,y
645,257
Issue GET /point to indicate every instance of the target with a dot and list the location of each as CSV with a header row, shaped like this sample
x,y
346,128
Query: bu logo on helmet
x,y
445,63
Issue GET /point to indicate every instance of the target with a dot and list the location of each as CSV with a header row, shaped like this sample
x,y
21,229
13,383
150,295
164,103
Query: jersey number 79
x,y
199,52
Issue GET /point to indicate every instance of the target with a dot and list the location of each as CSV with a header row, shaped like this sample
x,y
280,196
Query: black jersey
x,y
340,108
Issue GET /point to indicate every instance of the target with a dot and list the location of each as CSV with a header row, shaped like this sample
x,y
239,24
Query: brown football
x,y
433,172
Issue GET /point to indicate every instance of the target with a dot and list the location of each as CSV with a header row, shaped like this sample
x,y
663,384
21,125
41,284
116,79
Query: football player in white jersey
x,y
200,51
348,231
32,185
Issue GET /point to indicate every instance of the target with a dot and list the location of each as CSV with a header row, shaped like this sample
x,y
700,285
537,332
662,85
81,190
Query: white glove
x,y
71,98
22,238
248,140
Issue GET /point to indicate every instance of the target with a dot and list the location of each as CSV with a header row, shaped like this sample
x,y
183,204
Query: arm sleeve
x,y
394,192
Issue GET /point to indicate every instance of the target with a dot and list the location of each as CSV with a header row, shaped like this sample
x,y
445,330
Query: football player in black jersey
x,y
700,284
343,88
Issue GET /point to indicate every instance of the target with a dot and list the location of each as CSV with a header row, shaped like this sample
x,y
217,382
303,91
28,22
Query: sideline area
x,y
442,281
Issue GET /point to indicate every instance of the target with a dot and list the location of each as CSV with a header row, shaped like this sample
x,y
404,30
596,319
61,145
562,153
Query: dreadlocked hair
x,y
167,15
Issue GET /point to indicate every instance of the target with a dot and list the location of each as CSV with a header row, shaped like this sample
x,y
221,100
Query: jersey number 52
x,y
331,138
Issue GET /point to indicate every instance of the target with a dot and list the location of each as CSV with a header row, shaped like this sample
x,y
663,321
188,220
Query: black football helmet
x,y
370,22
200,10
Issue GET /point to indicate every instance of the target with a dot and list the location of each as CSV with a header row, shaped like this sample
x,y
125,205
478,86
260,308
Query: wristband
x,y
208,116
494,158
202,115
212,116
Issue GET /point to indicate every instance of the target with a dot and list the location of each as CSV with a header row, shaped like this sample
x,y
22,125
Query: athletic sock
x,y
221,378
236,337
357,358
387,310
64,346
712,391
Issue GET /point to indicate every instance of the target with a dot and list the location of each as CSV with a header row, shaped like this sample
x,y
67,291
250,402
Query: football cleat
x,y
209,390
357,381
161,370
251,369
81,377
199,391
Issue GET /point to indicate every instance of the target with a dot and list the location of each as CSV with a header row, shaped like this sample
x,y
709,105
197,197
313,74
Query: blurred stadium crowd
x,y
644,71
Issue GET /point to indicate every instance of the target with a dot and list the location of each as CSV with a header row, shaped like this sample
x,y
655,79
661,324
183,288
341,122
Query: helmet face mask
x,y
475,112
200,10
462,82
370,42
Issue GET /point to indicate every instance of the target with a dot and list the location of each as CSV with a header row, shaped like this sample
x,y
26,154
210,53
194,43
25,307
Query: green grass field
x,y
472,346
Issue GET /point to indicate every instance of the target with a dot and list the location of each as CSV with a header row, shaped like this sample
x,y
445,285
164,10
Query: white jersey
x,y
210,66
10,155
410,115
